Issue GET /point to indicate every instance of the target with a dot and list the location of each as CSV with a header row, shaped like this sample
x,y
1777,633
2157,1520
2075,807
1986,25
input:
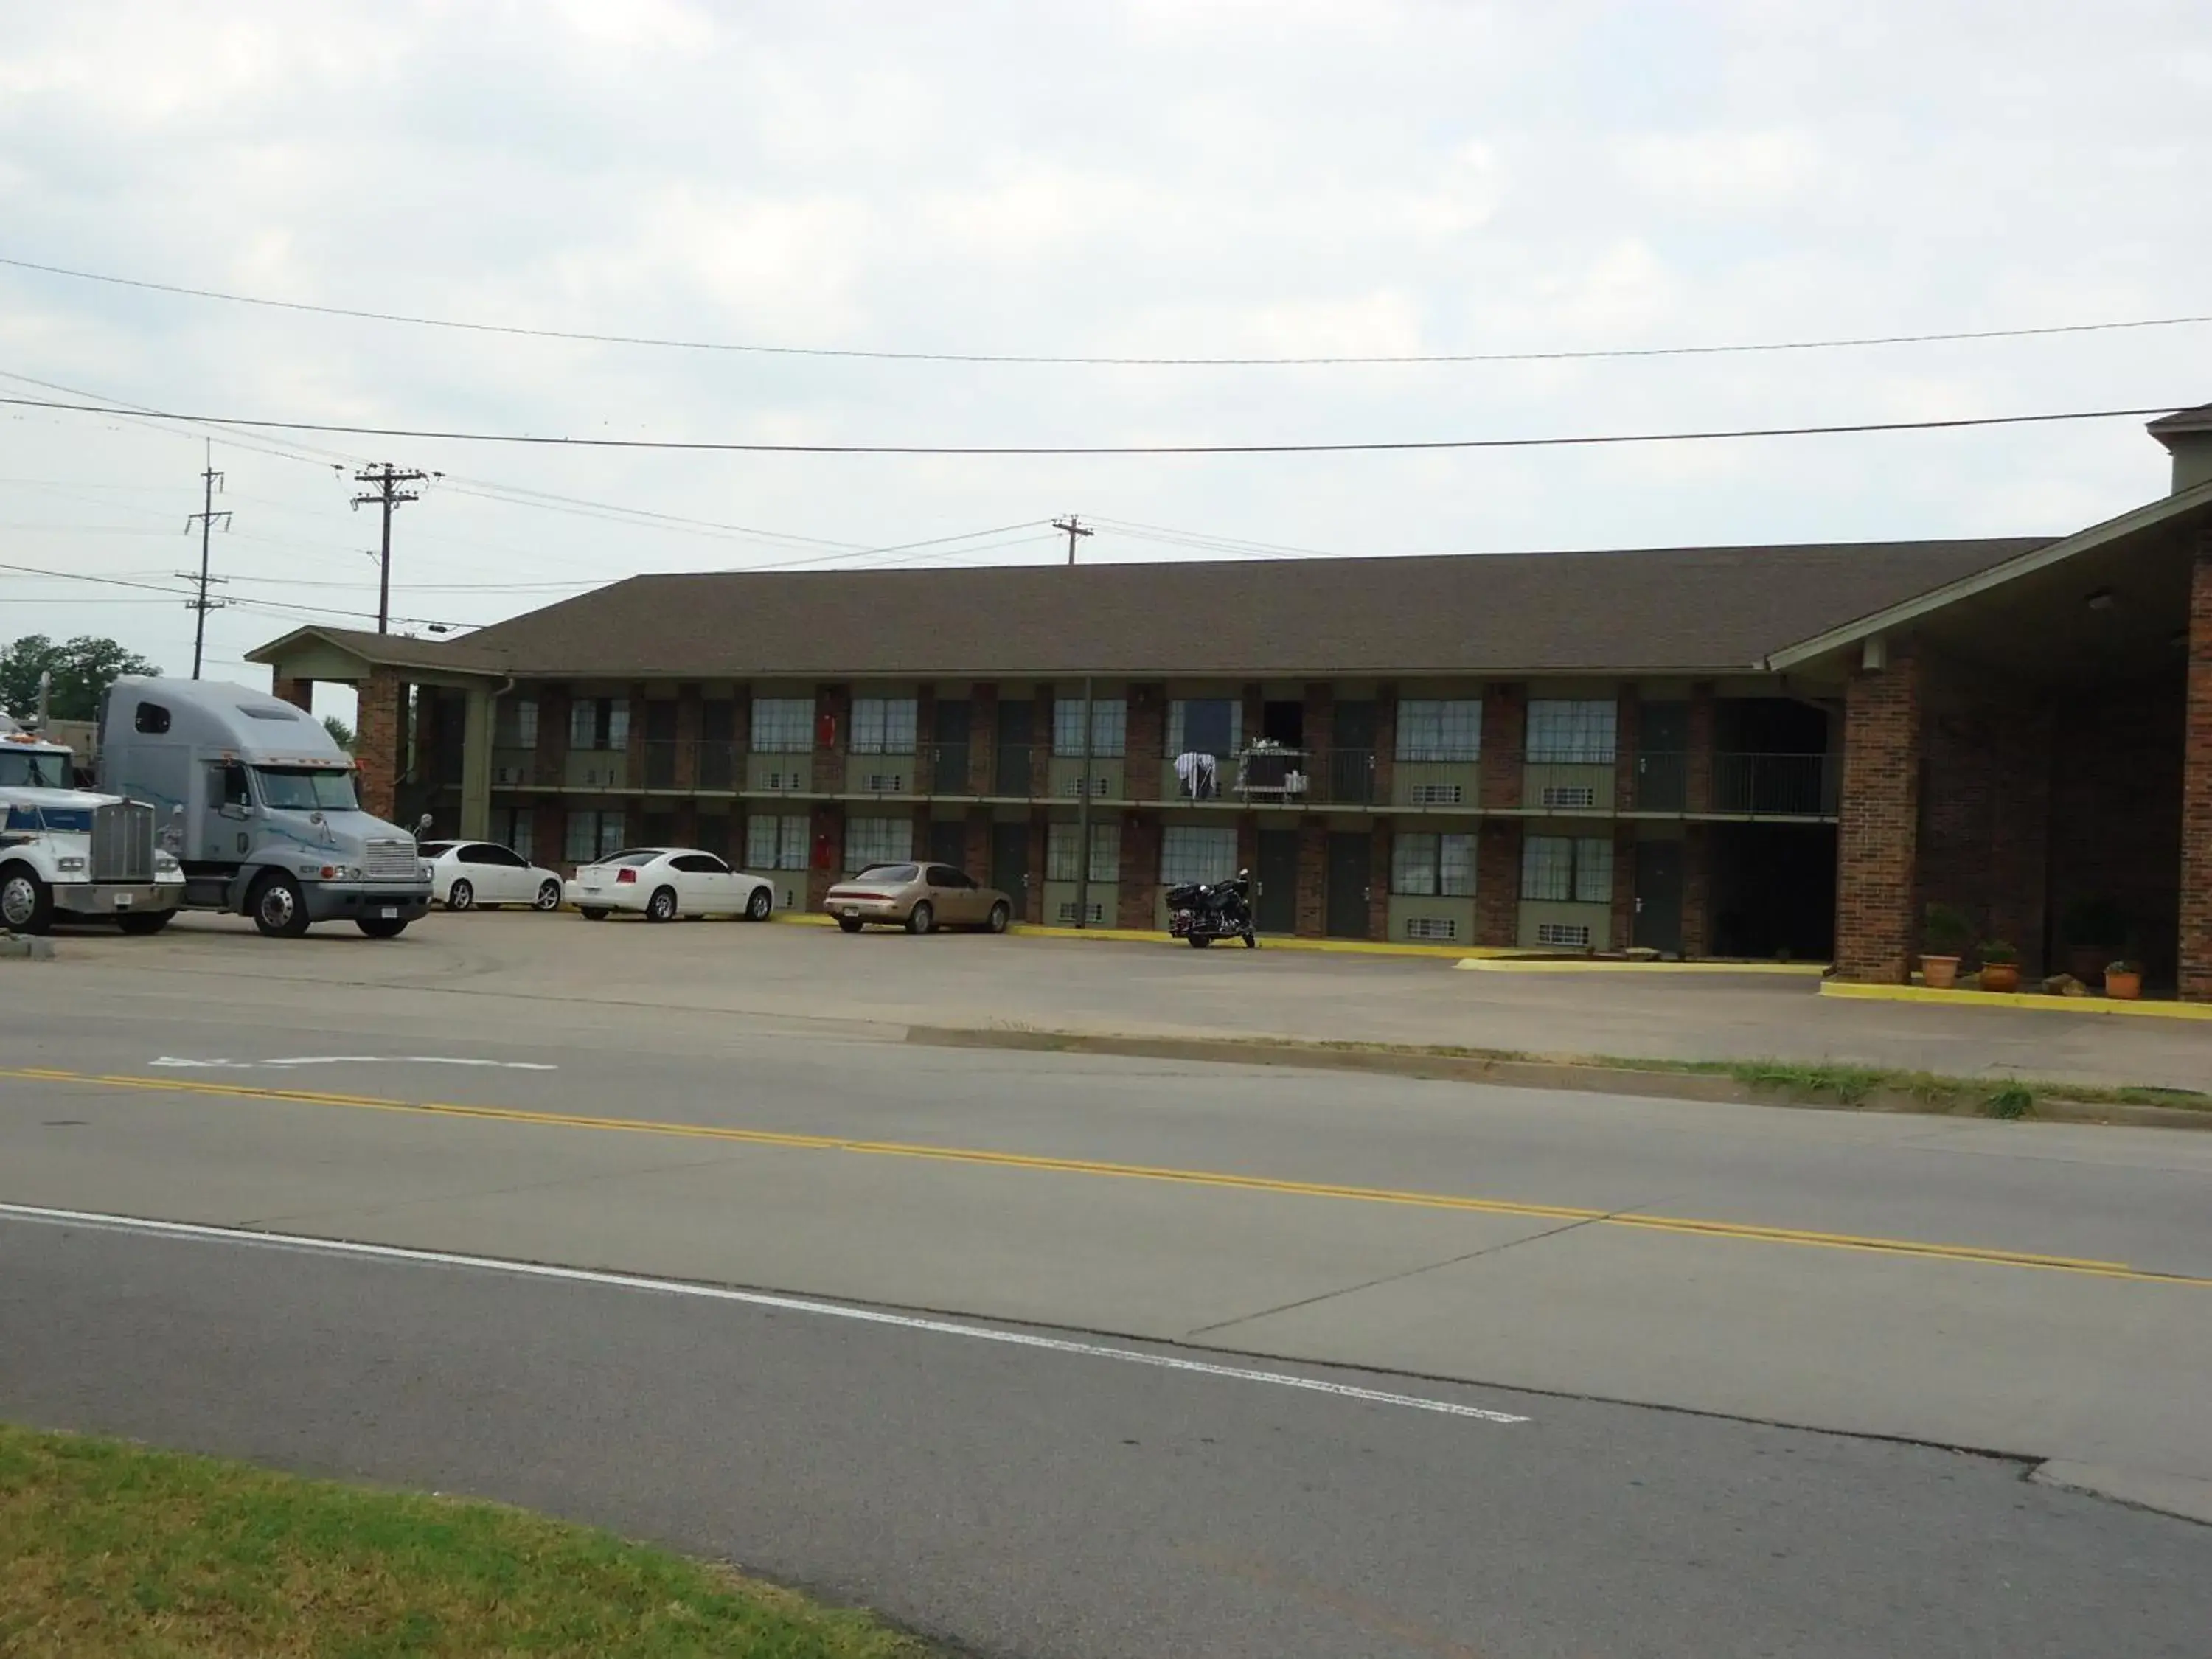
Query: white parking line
x,y
150,1228
179,1062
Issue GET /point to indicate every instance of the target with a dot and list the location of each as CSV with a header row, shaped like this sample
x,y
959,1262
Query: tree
x,y
341,733
82,669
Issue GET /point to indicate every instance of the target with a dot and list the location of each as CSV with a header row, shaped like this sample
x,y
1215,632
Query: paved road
x,y
807,972
1058,1505
2038,1290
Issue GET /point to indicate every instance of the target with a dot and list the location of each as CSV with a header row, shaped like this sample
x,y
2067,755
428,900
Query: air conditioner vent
x,y
1433,927
1575,934
1570,797
1438,794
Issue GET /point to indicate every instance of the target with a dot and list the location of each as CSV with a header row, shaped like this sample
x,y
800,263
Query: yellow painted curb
x,y
1147,936
1836,987
1591,965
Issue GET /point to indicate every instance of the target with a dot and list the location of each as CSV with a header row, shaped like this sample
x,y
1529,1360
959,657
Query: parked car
x,y
471,875
664,883
918,897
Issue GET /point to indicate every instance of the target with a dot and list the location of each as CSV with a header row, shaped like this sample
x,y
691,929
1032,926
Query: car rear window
x,y
636,855
436,849
888,873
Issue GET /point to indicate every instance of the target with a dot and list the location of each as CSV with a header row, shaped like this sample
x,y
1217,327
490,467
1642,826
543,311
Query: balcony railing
x,y
1780,786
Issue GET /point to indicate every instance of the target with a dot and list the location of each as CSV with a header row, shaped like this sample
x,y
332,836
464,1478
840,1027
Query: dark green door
x,y
1010,862
1278,907
1663,757
1016,721
1348,876
1659,897
949,767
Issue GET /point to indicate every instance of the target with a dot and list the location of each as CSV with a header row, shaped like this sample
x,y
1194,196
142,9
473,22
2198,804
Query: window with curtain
x,y
878,840
775,841
1567,869
783,726
1204,726
517,724
594,833
1060,841
883,725
1197,852
1433,866
1431,729
1578,732
1109,728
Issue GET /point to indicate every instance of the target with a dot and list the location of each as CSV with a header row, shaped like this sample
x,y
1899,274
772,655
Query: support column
x,y
1698,891
2195,956
1504,742
1380,845
1624,886
376,741
833,718
1498,882
1137,895
300,694
1878,832
1313,878
476,763
1698,780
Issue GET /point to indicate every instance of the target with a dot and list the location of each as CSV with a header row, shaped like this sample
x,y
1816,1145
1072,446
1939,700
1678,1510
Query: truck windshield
x,y
22,768
55,818
307,789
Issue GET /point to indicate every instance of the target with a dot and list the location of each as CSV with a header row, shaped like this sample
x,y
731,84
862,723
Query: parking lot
x,y
797,972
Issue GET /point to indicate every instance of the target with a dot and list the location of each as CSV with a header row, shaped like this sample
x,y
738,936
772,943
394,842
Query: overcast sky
x,y
1158,178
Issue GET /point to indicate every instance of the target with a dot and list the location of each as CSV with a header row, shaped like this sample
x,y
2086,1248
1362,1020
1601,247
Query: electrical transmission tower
x,y
389,492
199,604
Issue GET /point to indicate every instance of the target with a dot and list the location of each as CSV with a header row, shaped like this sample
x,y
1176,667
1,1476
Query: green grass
x,y
111,1549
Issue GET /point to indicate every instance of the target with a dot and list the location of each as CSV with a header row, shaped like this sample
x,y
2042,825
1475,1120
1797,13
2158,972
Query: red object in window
x,y
825,731
824,857
624,874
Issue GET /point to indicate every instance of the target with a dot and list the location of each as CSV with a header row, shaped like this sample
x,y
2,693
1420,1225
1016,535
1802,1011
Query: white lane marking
x,y
180,1063
124,1223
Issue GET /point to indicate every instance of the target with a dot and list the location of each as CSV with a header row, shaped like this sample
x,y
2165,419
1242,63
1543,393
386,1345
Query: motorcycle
x,y
1204,912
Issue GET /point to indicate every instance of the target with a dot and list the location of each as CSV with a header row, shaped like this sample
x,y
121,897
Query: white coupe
x,y
664,883
468,875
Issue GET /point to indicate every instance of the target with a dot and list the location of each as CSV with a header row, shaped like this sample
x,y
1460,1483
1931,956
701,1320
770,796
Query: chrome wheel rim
x,y
460,896
19,901
277,904
548,897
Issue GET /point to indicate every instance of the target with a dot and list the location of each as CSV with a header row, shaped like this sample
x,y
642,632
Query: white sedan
x,y
469,875
665,883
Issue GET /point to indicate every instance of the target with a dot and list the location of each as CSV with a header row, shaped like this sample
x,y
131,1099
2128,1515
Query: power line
x,y
388,494
261,607
1369,447
1069,360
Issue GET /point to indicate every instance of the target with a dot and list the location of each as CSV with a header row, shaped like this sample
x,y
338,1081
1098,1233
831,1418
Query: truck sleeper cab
x,y
261,807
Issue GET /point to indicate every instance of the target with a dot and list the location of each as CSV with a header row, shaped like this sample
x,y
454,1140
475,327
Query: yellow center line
x,y
1690,1225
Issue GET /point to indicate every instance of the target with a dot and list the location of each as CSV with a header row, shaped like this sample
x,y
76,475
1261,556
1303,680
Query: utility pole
x,y
1075,528
389,494
210,481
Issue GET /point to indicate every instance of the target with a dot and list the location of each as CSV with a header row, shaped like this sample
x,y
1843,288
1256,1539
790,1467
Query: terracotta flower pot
x,y
1939,973
2126,987
2000,976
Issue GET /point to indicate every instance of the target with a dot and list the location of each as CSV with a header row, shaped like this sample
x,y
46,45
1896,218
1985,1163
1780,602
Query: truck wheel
x,y
381,926
146,921
279,908
26,904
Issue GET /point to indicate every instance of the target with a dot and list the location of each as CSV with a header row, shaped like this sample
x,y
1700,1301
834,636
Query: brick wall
x,y
687,823
1147,746
1378,883
1624,886
1698,764
1982,842
1697,890
550,764
687,737
1498,882
1386,740
1319,720
1878,832
833,703
2194,952
1313,879
1627,728
376,741
1039,819
1138,892
2116,820
982,740
548,836
976,844
1041,771
300,694
633,757
1505,741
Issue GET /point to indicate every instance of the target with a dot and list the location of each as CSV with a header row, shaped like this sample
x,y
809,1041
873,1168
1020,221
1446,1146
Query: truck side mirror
x,y
422,826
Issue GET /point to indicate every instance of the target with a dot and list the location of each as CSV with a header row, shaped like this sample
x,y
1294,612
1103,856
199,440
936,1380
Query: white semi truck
x,y
260,806
65,852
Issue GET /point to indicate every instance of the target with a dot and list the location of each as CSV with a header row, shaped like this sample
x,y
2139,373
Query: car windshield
x,y
309,788
34,770
890,874
34,818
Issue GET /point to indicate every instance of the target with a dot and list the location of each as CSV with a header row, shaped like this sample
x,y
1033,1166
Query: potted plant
x,y
2000,966
2096,930
1944,931
2123,979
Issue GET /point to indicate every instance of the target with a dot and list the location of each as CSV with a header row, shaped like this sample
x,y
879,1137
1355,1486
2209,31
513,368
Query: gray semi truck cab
x,y
260,806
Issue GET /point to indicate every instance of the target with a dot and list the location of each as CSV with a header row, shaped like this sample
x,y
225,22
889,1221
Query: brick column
x,y
921,775
1039,818
1498,882
825,823
300,694
634,755
976,844
1697,890
1628,735
1313,878
1147,746
550,766
376,741
687,823
1624,885
1041,769
1247,843
687,741
1386,742
1138,894
1877,834
1378,883
1505,741
2195,956
982,740
833,703
1698,783
548,836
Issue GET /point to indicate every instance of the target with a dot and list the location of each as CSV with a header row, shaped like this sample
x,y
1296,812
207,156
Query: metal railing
x,y
1780,786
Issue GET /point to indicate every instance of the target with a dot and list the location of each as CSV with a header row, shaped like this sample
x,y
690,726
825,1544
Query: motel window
x,y
783,726
517,724
510,827
775,841
878,840
1061,840
1567,869
1430,867
1204,726
1431,729
598,723
1109,728
594,833
1576,732
882,725
1197,852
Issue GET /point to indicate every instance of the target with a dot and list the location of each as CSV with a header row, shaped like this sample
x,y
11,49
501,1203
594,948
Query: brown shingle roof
x,y
1655,611
462,655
